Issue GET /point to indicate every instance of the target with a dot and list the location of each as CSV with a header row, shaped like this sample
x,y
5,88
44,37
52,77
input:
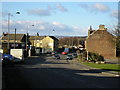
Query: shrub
x,y
94,57
82,57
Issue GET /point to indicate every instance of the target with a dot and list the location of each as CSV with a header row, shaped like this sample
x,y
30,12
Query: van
x,y
18,54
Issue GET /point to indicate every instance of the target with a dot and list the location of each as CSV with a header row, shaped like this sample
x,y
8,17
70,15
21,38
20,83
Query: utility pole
x,y
15,39
26,40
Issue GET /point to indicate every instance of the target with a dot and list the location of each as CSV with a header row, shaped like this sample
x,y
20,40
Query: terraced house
x,y
101,42
10,41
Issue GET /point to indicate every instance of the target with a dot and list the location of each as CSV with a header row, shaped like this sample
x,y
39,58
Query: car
x,y
74,55
56,56
64,53
7,59
69,57
53,52
49,52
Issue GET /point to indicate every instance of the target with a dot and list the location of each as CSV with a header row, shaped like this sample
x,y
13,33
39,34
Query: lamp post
x,y
8,30
27,37
15,39
9,14
27,40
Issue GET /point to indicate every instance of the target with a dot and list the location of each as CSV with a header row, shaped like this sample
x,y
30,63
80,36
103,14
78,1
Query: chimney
x,y
102,27
4,34
90,31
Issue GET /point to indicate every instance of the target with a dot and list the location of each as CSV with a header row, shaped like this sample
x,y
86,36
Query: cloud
x,y
97,7
39,12
59,25
61,8
114,13
43,27
100,7
48,11
84,6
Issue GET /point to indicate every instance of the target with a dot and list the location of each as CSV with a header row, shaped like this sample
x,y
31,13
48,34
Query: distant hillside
x,y
70,36
71,40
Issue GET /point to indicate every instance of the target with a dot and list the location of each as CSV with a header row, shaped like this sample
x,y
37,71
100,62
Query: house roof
x,y
12,37
53,37
100,32
36,37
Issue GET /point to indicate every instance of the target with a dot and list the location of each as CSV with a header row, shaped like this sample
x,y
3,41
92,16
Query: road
x,y
45,72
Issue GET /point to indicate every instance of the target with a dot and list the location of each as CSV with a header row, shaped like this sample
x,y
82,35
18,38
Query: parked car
x,y
74,55
53,52
7,59
56,56
64,53
69,57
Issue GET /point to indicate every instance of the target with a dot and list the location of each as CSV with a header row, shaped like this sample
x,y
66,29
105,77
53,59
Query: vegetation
x,y
71,41
82,57
111,67
94,57
116,32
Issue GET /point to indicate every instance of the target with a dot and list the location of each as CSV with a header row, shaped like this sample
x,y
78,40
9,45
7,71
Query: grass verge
x,y
109,67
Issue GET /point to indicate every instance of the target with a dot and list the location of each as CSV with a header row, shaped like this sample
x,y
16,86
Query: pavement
x,y
113,73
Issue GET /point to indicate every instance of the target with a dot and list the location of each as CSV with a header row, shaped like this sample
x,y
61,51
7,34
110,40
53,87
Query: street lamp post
x,y
15,39
8,31
27,41
27,37
9,14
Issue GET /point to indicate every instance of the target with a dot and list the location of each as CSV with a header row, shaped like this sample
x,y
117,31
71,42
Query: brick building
x,y
102,42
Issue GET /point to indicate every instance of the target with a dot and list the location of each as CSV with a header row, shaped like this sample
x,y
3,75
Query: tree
x,y
71,41
116,32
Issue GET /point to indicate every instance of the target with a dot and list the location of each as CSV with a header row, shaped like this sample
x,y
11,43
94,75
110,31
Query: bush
x,y
94,57
82,57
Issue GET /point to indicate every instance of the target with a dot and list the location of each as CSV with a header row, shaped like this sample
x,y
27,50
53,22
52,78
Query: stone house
x,y
10,41
36,41
44,43
102,42
50,43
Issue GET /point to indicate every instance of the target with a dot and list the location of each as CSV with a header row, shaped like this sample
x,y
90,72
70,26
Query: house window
x,y
16,45
12,45
23,45
50,44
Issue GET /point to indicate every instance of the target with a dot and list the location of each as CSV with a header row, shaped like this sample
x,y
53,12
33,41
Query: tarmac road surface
x,y
45,72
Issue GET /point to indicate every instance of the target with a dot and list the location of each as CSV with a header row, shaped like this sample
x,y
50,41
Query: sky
x,y
58,18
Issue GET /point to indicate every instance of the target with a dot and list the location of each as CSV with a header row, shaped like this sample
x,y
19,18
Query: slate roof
x,y
36,37
53,37
12,37
41,37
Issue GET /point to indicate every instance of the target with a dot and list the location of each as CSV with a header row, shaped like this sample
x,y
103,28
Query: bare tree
x,y
116,32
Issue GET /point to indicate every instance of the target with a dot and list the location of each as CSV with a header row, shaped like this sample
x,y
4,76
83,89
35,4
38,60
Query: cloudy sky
x,y
58,18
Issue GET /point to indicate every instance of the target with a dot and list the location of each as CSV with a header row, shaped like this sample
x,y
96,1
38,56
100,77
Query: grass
x,y
110,67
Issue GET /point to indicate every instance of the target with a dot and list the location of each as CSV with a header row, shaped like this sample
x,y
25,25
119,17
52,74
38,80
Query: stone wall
x,y
103,43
